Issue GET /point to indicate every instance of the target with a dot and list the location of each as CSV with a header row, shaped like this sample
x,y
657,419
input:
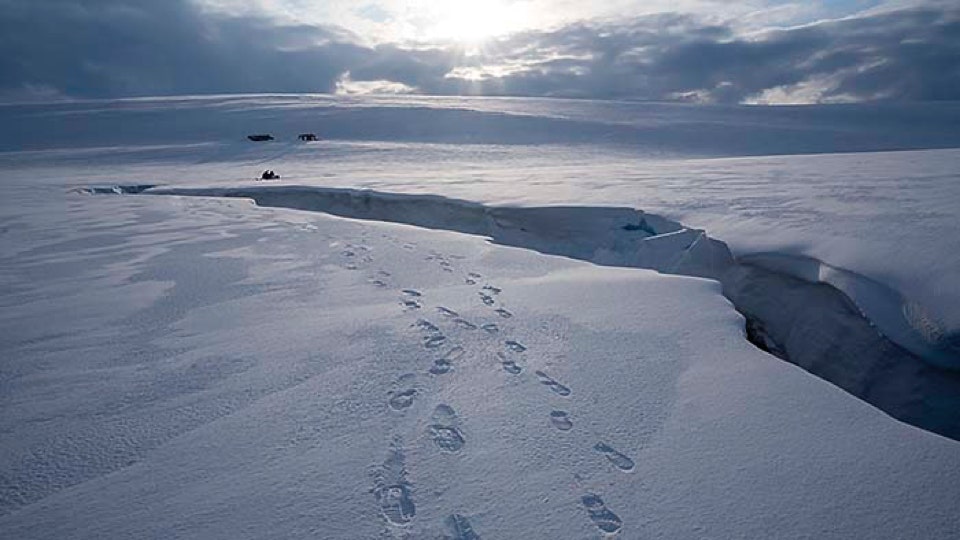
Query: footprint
x,y
448,439
474,275
433,342
402,400
412,293
384,273
470,281
515,346
458,528
561,420
509,366
465,324
504,313
410,305
396,504
492,289
602,517
455,354
619,460
448,312
490,328
379,283
392,490
426,326
487,299
441,367
444,431
554,385
444,365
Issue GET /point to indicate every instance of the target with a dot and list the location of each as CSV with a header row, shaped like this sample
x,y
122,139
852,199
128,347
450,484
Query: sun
x,y
474,21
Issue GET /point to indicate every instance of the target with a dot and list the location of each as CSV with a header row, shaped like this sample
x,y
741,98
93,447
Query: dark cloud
x,y
93,48
108,48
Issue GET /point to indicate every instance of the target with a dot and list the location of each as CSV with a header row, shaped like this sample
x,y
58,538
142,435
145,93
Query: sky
x,y
702,51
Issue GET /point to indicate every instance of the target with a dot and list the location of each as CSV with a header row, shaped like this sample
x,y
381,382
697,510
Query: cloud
x,y
110,48
102,48
902,55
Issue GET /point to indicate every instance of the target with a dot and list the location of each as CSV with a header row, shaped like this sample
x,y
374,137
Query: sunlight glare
x,y
474,21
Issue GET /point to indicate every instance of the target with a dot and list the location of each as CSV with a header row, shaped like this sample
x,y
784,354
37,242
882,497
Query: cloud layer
x,y
114,48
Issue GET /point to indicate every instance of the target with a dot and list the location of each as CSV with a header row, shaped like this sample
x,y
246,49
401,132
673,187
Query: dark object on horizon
x,y
260,138
307,137
269,175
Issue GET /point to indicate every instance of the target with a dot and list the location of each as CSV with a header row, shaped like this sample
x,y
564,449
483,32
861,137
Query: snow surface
x,y
205,368
888,216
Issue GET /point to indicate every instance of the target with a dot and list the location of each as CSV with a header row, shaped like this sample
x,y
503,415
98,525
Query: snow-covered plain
x,y
206,368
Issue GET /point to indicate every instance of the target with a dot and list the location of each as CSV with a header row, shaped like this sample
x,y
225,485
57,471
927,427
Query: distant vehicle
x,y
260,138
269,175
307,137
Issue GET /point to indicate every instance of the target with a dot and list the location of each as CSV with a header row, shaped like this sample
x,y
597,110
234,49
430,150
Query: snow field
x,y
199,367
305,350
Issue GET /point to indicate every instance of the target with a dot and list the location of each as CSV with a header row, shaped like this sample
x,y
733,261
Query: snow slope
x,y
205,368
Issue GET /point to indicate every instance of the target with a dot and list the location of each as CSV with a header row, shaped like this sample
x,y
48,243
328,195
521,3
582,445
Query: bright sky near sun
x,y
472,21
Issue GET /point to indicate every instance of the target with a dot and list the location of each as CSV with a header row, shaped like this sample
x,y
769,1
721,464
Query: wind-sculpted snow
x,y
822,318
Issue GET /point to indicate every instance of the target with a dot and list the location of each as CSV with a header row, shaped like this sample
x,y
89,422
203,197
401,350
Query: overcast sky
x,y
711,51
